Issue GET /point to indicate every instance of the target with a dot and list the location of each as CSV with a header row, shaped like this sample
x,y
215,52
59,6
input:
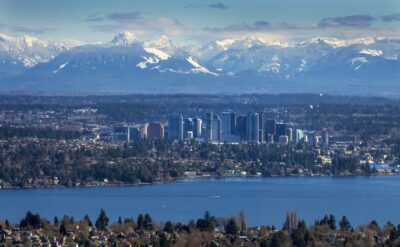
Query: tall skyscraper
x,y
134,133
233,123
143,131
313,138
261,126
253,127
281,130
188,125
289,133
261,136
270,129
155,131
197,127
241,127
228,122
175,127
299,135
216,128
209,125
325,139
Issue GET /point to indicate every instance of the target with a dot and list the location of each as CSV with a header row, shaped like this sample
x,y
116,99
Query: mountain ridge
x,y
248,64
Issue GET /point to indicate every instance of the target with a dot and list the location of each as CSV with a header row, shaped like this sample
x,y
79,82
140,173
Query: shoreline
x,y
186,178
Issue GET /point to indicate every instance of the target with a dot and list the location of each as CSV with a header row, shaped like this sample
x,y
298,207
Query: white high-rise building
x,y
299,135
216,128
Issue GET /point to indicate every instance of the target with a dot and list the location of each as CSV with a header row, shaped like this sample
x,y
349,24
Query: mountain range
x,y
365,66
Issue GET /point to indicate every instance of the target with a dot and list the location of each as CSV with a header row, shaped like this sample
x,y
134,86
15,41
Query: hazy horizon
x,y
199,21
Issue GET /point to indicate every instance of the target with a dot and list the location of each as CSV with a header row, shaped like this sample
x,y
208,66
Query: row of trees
x,y
294,232
48,133
148,161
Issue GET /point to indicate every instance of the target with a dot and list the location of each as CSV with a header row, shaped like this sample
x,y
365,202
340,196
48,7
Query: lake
x,y
264,200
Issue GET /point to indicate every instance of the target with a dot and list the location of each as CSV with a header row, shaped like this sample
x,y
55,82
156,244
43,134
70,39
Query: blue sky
x,y
191,21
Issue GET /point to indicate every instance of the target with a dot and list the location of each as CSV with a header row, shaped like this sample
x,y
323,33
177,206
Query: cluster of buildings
x,y
224,127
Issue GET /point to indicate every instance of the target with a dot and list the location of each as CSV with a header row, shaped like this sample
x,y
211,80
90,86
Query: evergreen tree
x,y
63,229
207,223
278,240
298,238
394,234
325,220
148,222
332,222
302,225
232,228
242,222
56,221
169,227
102,221
71,220
87,219
31,221
140,221
344,224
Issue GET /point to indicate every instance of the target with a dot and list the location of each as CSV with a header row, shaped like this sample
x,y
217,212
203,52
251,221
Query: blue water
x,y
264,200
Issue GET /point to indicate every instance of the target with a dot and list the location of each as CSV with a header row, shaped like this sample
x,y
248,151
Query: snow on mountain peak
x,y
29,41
29,51
337,43
245,42
5,38
198,68
124,38
226,43
248,42
160,54
371,52
162,42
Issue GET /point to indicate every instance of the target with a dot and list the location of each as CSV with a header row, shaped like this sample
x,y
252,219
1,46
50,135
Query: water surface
x,y
264,200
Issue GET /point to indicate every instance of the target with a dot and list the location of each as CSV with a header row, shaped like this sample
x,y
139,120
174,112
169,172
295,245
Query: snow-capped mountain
x,y
235,65
124,38
18,54
124,62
